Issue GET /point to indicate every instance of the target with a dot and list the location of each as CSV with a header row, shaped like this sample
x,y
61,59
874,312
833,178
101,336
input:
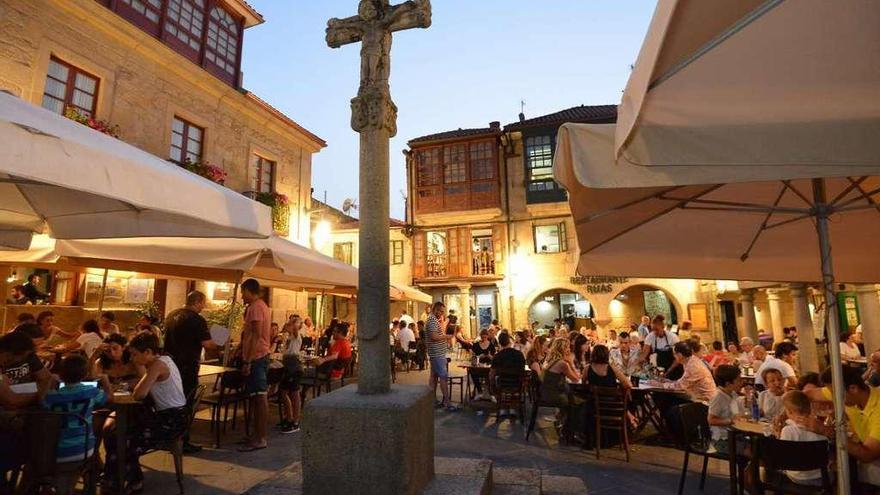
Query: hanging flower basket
x,y
280,205
99,125
211,172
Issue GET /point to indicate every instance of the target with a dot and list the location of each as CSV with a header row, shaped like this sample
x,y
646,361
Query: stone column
x,y
807,352
869,314
750,322
775,315
464,304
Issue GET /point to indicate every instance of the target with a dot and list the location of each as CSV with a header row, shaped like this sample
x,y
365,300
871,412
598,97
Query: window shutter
x,y
454,258
563,237
419,242
465,250
499,247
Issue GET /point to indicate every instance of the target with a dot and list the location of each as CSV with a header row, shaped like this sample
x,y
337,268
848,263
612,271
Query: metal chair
x,y
175,445
230,392
611,405
510,392
695,439
538,402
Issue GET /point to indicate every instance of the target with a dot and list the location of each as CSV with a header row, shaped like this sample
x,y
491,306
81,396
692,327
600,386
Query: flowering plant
x,y
211,172
280,205
272,199
99,125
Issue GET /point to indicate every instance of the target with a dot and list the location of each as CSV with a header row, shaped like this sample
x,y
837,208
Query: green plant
x,y
211,172
280,205
99,125
148,308
228,315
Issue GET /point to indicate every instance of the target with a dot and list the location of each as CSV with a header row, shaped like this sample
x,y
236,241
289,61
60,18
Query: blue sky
x,y
472,66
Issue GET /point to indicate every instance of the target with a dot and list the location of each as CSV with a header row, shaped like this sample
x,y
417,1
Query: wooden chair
x,y
510,392
610,407
537,403
455,381
230,392
782,455
695,439
175,445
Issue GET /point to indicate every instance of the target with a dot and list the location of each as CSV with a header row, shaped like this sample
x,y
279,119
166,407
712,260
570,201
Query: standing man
x,y
186,334
660,342
438,345
644,328
255,338
404,317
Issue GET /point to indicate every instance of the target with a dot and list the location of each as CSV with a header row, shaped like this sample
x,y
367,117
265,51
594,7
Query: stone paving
x,y
462,434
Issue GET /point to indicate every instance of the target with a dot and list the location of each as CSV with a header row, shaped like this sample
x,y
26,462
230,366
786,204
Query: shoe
x,y
438,404
290,427
189,448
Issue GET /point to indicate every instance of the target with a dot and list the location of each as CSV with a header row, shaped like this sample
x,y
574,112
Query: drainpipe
x,y
511,233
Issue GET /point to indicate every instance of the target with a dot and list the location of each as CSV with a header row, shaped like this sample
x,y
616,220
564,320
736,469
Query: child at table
x,y
770,400
75,441
797,411
165,421
724,406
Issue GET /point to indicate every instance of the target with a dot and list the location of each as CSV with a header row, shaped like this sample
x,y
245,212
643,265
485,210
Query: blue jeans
x,y
257,382
438,366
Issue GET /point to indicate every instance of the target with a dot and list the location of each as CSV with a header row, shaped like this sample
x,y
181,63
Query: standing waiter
x,y
186,333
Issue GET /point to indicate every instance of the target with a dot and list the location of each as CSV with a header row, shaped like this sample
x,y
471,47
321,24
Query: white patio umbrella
x,y
402,292
746,140
62,178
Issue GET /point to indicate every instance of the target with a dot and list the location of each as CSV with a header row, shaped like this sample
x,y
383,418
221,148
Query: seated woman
x,y
483,350
166,420
537,353
114,360
581,349
559,366
603,374
89,340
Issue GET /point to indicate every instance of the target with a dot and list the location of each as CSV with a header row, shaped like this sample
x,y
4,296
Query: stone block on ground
x,y
369,444
516,476
457,476
562,485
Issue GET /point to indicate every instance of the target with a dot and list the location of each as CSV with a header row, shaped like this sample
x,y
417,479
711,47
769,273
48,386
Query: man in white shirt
x,y
660,342
644,328
624,356
404,317
405,335
786,355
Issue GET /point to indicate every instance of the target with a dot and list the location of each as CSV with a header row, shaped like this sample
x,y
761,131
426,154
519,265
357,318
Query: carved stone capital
x,y
372,109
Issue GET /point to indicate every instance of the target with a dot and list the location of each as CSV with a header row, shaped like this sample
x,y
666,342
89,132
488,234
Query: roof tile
x,y
582,113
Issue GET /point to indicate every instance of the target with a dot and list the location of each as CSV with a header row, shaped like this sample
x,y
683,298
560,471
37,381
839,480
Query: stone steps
x,y
454,476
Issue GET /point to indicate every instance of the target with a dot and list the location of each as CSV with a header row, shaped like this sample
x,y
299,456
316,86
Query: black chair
x,y
455,381
695,438
538,402
175,445
319,380
229,388
610,407
782,455
510,392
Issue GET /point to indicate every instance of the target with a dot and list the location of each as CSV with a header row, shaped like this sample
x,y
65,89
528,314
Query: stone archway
x,y
571,306
630,303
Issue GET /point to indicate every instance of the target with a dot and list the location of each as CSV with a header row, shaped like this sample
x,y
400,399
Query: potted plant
x,y
101,126
280,205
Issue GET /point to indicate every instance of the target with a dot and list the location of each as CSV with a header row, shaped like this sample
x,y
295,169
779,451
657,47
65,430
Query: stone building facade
x,y
168,74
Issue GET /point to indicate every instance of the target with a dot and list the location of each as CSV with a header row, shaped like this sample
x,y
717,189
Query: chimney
x,y
522,117
495,125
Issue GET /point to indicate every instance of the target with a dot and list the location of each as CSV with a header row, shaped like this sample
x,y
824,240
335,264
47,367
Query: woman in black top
x,y
483,350
603,374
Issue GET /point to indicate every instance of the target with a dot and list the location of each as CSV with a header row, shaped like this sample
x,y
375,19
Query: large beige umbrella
x,y
746,141
62,178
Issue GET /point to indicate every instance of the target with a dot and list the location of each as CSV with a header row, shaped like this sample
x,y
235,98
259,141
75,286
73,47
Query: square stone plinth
x,y
369,444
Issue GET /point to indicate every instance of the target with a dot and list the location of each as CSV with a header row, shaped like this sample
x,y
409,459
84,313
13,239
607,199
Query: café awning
x,y
64,179
400,292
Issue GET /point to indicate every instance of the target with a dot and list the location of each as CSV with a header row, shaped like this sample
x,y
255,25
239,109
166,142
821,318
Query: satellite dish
x,y
348,205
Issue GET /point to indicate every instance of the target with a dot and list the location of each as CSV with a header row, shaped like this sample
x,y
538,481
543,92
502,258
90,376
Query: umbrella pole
x,y
833,333
229,322
103,290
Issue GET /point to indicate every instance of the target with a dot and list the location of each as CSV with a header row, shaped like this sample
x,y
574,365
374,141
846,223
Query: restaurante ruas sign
x,y
598,284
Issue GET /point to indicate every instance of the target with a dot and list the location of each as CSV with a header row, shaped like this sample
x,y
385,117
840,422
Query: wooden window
x,y
262,175
143,13
396,252
222,42
342,251
550,238
184,22
69,86
186,141
436,253
541,188
458,176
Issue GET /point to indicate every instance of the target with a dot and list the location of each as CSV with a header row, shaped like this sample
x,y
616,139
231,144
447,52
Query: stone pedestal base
x,y
369,444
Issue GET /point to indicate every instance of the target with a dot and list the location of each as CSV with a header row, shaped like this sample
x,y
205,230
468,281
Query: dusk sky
x,y
475,64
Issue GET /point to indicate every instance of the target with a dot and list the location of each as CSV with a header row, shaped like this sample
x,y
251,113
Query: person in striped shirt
x,y
438,345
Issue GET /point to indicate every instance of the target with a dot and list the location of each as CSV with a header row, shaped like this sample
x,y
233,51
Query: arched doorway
x,y
631,303
570,307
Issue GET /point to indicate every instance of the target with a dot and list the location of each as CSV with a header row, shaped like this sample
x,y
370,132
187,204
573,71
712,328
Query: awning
x,y
401,292
62,178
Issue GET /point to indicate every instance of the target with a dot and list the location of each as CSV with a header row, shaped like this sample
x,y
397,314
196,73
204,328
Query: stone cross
x,y
374,116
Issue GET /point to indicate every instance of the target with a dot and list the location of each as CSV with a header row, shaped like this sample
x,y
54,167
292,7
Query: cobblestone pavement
x,y
462,434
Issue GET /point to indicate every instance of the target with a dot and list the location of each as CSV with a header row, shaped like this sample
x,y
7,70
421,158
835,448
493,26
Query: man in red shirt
x,y
340,349
255,337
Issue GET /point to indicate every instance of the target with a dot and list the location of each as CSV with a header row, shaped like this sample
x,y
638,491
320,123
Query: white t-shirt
x,y
773,363
405,336
668,340
770,404
793,432
847,352
168,394
89,342
407,318
724,406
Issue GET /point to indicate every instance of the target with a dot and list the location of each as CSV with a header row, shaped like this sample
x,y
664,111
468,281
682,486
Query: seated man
x,y
508,365
340,350
19,362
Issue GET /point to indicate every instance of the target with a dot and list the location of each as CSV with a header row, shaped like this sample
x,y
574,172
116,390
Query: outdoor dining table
x,y
752,430
123,405
643,397
211,370
478,371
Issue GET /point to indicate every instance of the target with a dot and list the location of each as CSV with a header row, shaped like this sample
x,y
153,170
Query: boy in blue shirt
x,y
77,398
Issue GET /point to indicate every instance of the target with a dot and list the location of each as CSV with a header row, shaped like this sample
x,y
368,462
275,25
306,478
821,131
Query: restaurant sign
x,y
598,284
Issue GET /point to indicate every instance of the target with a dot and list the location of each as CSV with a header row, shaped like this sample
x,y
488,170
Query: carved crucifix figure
x,y
374,116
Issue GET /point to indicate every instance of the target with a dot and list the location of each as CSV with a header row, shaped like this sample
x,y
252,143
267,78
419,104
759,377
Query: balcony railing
x,y
483,263
436,266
